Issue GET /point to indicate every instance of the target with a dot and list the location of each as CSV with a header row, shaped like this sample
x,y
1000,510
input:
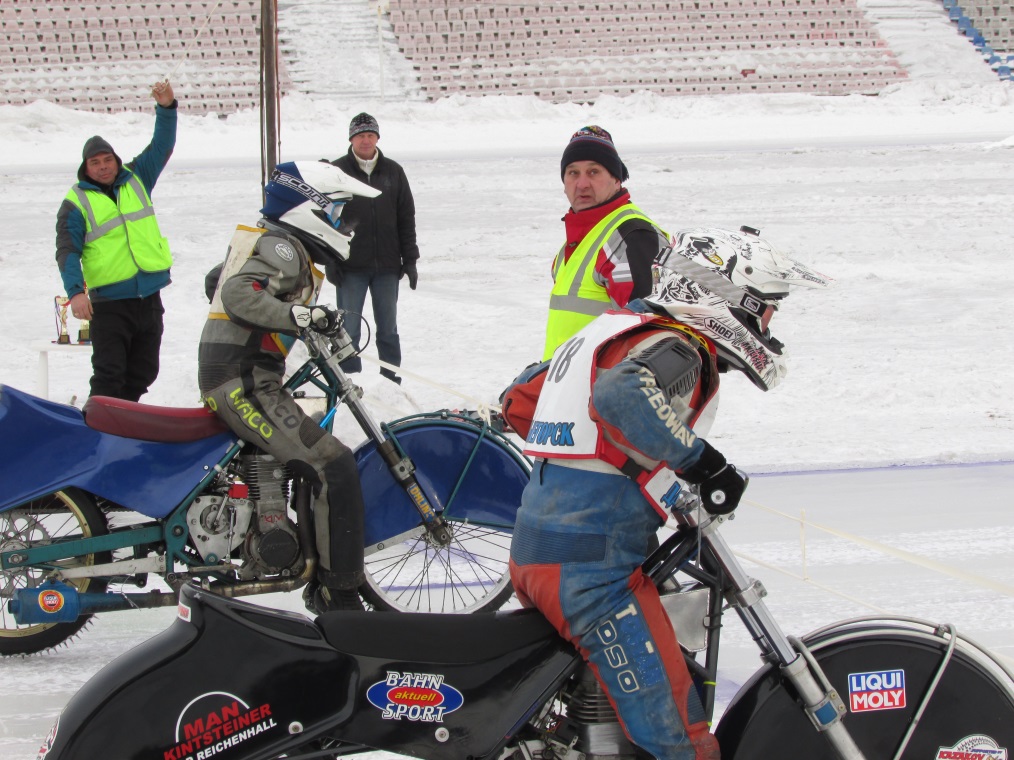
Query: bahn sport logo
x,y
877,690
975,747
422,697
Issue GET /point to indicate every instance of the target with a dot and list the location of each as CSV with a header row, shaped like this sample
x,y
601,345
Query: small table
x,y
45,348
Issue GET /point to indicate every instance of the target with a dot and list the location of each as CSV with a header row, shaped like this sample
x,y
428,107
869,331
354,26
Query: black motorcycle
x,y
230,680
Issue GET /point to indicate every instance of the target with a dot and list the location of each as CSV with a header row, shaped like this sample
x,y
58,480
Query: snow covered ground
x,y
904,199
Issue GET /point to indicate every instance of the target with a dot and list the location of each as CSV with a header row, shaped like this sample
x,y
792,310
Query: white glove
x,y
318,318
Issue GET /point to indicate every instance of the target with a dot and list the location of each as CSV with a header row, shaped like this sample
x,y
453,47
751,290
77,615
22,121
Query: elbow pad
x,y
675,365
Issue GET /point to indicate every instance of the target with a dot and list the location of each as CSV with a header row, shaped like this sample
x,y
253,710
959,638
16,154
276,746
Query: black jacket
x,y
384,226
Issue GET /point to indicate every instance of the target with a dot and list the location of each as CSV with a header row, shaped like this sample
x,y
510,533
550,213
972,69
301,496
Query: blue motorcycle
x,y
118,505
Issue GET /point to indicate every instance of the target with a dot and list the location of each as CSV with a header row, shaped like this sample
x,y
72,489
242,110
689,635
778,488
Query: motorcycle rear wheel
x,y
66,514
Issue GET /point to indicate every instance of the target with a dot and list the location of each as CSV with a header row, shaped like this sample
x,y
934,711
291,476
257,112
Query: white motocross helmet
x,y
726,285
308,197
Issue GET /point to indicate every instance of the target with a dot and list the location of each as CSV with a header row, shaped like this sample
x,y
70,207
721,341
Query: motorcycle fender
x,y
45,446
232,680
226,680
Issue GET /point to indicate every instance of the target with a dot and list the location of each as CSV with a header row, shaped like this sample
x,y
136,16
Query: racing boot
x,y
326,599
342,574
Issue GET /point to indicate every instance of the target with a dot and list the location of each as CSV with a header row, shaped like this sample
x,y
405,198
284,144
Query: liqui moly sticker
x,y
422,697
975,747
877,690
214,722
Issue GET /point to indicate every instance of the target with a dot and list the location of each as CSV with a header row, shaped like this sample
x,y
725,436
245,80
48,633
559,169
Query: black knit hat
x,y
593,143
363,123
94,146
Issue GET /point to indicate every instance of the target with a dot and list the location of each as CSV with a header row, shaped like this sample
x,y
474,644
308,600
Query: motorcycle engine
x,y
218,524
585,729
272,543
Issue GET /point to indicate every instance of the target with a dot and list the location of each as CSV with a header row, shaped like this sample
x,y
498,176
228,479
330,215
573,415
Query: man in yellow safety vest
x,y
606,260
113,258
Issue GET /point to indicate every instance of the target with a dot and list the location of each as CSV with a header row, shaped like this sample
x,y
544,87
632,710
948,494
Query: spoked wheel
x,y
887,672
67,514
473,476
416,574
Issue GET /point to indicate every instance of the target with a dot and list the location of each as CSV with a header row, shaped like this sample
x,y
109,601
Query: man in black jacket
x,y
383,249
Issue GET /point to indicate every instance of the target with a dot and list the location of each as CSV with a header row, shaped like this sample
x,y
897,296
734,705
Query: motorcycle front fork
x,y
821,702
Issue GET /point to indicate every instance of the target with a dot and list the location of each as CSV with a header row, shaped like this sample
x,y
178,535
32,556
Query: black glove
x,y
721,484
408,268
317,318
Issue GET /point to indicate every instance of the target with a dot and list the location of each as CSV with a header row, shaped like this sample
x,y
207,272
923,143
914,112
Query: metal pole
x,y
380,51
270,119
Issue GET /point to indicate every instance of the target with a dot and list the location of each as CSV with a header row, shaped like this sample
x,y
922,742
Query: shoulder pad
x,y
675,364
285,249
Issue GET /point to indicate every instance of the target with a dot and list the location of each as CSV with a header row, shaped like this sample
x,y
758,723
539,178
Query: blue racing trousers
x,y
578,544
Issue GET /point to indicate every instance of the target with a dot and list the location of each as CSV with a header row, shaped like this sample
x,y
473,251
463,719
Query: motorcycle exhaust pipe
x,y
56,602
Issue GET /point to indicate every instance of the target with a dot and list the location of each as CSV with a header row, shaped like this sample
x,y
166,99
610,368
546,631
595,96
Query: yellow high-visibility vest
x,y
112,228
576,298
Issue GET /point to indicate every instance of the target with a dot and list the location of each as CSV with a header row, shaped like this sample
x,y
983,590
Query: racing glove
x,y
721,484
317,318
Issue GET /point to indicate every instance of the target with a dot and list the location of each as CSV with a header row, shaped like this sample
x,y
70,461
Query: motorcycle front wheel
x,y
473,476
886,671
67,514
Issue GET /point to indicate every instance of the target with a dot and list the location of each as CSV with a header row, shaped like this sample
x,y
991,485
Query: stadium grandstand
x,y
99,56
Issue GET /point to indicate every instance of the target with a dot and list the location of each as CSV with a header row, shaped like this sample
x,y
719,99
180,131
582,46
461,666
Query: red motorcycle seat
x,y
143,422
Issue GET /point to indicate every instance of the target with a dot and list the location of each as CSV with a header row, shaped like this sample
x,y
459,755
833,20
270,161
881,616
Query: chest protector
x,y
241,248
562,427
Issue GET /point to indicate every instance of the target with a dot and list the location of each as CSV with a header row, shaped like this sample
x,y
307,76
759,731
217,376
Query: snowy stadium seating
x,y
103,56
565,51
989,25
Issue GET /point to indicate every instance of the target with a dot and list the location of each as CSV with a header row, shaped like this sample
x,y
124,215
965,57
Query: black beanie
x,y
594,144
363,123
94,146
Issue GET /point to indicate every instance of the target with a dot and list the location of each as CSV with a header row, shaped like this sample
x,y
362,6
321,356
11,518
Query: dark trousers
x,y
259,410
383,289
126,338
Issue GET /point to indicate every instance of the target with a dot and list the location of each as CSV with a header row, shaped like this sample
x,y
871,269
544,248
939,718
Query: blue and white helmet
x,y
726,286
308,197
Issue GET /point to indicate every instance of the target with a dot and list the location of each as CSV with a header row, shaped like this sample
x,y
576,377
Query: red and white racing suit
x,y
583,526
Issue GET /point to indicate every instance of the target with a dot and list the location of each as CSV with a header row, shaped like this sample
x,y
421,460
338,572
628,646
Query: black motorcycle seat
x,y
144,422
432,637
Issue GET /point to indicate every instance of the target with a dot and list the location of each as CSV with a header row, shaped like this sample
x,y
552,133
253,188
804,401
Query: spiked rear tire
x,y
66,514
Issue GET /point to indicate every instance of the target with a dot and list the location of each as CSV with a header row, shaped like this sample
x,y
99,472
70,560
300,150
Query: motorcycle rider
x,y
623,411
265,295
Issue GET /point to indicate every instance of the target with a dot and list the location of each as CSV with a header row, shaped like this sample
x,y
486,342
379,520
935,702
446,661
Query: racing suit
x,y
583,525
241,363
